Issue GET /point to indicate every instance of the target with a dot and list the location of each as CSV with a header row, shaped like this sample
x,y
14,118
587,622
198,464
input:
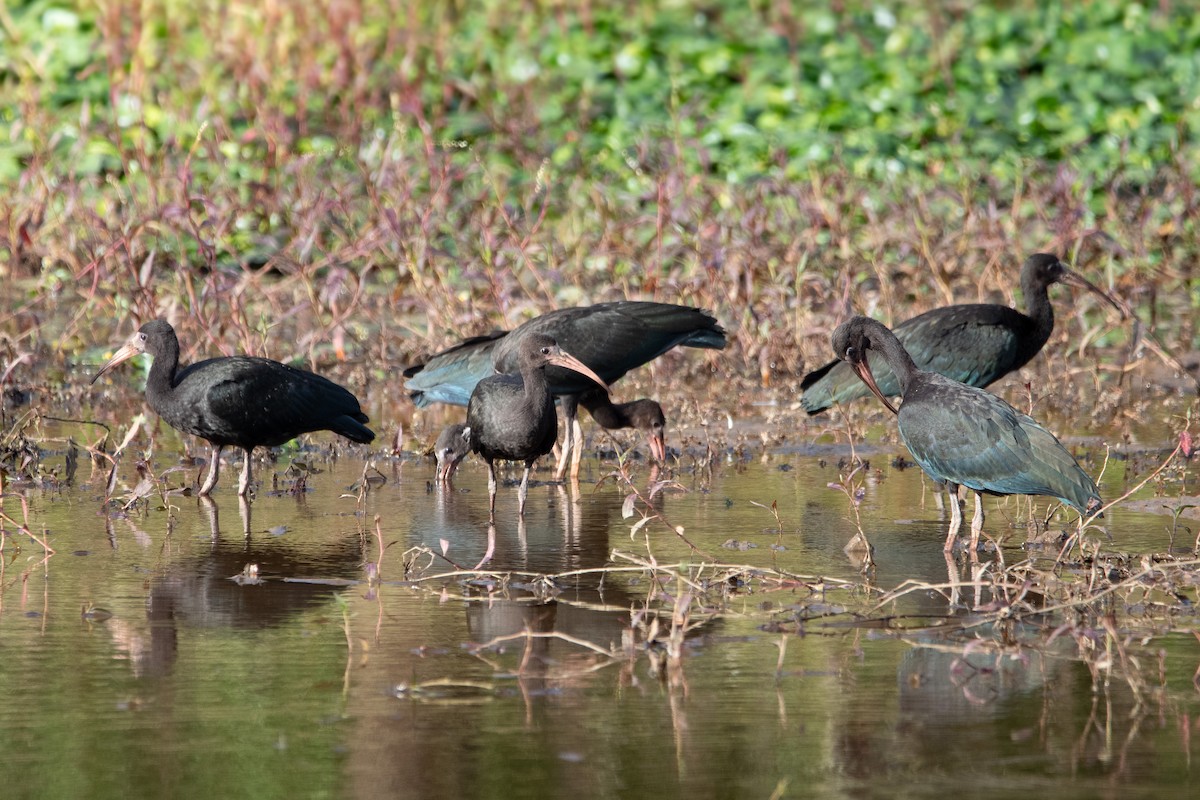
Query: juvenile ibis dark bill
x,y
450,449
962,435
644,415
976,343
511,416
610,338
243,401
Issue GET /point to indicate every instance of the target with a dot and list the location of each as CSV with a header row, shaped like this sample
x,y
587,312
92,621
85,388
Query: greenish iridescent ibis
x,y
974,343
962,435
239,401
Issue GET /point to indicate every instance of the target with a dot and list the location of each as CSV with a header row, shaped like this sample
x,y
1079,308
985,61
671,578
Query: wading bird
x,y
610,338
240,401
644,415
450,449
511,416
976,343
964,436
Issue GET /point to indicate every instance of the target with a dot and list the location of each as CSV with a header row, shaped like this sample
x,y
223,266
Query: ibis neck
x,y
1038,308
161,379
898,360
608,415
537,390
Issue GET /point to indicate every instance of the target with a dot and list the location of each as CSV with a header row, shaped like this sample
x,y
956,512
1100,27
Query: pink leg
x,y
523,492
955,516
244,486
214,469
491,491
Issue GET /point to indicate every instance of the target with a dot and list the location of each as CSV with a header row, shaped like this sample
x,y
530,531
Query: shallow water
x,y
144,657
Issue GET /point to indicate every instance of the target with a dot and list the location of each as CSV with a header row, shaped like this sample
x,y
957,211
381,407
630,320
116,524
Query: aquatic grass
x,y
1019,608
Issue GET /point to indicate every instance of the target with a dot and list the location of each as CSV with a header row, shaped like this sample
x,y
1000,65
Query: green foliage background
x,y
558,151
881,89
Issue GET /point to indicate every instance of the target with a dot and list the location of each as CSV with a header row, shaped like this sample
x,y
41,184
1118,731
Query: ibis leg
x,y
214,469
244,486
491,491
976,521
577,449
564,453
523,492
955,515
569,406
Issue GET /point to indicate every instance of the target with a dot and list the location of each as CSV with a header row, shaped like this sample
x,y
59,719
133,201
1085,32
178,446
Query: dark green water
x,y
312,683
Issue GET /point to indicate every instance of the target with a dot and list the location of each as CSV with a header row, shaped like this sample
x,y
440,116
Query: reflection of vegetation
x,y
1109,612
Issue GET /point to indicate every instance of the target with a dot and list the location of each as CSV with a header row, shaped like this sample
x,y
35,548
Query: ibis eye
x,y
545,351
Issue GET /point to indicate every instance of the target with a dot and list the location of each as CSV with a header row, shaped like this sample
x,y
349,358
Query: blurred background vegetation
x,y
346,169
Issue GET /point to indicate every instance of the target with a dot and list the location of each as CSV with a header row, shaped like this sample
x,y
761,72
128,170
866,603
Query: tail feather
x,y
352,428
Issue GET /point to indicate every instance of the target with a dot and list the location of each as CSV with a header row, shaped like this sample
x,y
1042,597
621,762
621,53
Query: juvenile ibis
x,y
644,415
976,343
243,401
511,416
962,435
451,448
610,338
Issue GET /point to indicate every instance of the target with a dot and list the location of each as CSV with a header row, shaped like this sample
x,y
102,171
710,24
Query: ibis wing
x,y
451,375
974,438
975,344
266,402
613,338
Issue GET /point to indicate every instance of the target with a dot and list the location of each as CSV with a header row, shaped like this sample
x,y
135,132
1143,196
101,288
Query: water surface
x,y
323,642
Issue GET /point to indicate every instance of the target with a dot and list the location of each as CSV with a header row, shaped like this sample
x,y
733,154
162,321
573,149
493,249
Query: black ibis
x,y
451,448
975,343
962,435
644,415
243,401
611,338
511,416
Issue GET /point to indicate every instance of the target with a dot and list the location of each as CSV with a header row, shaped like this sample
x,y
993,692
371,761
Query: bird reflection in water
x,y
236,583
